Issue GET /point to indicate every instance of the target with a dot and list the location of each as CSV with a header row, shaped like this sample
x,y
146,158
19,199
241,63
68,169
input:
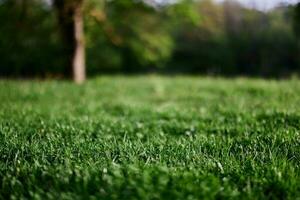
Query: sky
x,y
263,4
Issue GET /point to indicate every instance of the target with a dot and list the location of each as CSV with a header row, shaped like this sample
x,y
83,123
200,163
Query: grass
x,y
150,137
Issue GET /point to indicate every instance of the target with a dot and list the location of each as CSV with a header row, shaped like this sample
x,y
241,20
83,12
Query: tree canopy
x,y
140,36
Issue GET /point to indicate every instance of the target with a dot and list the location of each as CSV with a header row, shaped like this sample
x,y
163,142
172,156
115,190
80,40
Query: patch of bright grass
x,y
150,137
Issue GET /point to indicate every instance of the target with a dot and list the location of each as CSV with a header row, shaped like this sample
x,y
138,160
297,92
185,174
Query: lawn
x,y
150,137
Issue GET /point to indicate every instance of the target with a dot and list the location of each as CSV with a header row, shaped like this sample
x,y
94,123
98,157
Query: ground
x,y
150,137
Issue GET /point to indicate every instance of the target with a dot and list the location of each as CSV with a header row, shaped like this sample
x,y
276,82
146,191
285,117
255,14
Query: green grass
x,y
150,137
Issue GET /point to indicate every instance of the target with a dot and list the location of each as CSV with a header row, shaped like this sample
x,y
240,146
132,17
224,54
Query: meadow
x,y
150,137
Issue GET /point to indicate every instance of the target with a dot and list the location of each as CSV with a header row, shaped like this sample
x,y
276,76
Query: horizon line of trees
x,y
67,38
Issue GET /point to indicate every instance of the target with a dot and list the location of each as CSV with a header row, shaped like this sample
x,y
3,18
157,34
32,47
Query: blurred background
x,y
227,38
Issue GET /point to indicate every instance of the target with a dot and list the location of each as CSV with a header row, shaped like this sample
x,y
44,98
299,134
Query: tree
x,y
70,18
29,40
296,21
130,35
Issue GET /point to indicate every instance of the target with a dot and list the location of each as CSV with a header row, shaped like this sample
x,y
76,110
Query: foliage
x,y
235,40
138,36
296,24
150,137
129,31
29,44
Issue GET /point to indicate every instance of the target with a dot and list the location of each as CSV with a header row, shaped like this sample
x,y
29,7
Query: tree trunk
x,y
70,18
79,51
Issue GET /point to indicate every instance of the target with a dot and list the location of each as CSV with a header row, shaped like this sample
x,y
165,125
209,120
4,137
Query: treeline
x,y
131,36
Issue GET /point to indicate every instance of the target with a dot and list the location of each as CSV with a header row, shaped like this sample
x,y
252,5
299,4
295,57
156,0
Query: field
x,y
150,137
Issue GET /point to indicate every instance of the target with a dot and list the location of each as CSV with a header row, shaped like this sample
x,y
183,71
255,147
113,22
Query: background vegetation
x,y
139,36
